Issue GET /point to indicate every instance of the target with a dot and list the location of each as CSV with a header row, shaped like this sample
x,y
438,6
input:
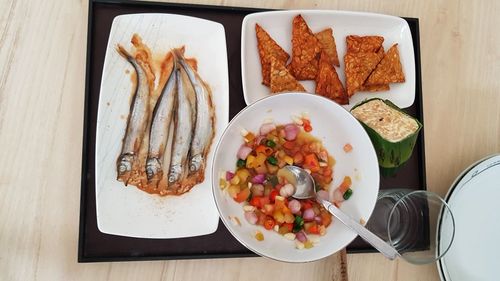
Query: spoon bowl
x,y
304,189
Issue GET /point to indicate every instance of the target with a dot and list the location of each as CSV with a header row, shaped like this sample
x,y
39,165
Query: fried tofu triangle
x,y
389,70
365,44
282,80
328,83
358,67
268,48
328,45
305,50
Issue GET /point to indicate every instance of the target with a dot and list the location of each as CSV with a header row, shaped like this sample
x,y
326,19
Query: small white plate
x,y
128,211
473,199
279,25
335,127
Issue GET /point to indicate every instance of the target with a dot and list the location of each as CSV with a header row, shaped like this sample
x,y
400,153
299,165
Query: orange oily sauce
x,y
158,66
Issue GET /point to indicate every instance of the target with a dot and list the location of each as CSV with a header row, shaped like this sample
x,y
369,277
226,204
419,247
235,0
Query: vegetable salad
x,y
266,190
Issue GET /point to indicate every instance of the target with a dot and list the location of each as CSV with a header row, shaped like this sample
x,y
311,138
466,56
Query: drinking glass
x,y
408,220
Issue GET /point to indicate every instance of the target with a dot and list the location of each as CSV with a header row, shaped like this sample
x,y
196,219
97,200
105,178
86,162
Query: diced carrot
x,y
289,144
311,162
326,218
313,228
347,148
289,226
273,194
269,223
346,184
256,201
242,195
264,150
306,205
298,158
306,124
264,200
262,218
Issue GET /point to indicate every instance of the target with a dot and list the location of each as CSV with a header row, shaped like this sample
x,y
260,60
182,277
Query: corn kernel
x,y
289,160
235,180
308,244
222,183
259,236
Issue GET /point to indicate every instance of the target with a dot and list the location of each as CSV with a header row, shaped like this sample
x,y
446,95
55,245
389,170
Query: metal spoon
x,y
304,189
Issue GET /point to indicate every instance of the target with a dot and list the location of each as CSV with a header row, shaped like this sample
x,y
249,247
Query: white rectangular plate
x,y
128,211
279,25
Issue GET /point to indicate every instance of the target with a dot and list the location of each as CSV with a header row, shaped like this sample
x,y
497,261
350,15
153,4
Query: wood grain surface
x,y
42,74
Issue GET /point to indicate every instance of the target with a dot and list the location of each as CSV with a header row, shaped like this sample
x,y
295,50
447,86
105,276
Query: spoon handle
x,y
387,250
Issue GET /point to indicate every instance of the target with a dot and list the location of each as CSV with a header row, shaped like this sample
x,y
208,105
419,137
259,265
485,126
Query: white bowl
x,y
279,25
335,127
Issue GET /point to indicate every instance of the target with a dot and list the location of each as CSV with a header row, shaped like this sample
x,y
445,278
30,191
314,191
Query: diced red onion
x,y
291,132
251,217
267,128
260,178
308,214
294,206
259,139
257,190
229,175
318,219
301,236
243,152
338,196
287,190
323,194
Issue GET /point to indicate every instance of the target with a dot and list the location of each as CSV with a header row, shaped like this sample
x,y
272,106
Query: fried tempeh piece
x,y
305,50
268,48
389,70
328,83
328,45
374,88
358,67
282,80
365,44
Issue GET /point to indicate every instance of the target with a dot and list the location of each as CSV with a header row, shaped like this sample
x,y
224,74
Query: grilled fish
x,y
183,132
138,119
160,127
203,130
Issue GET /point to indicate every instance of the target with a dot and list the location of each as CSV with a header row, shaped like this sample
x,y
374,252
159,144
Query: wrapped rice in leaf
x,y
392,132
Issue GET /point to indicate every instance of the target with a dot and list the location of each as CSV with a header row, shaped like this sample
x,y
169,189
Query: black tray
x,y
94,246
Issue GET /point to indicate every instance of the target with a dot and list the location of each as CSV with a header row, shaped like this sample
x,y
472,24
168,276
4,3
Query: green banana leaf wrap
x,y
391,155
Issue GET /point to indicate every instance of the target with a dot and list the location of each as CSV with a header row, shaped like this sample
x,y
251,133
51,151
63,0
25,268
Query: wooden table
x,y
42,74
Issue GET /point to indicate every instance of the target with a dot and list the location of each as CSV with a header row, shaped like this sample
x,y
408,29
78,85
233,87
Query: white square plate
x,y
128,211
279,25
